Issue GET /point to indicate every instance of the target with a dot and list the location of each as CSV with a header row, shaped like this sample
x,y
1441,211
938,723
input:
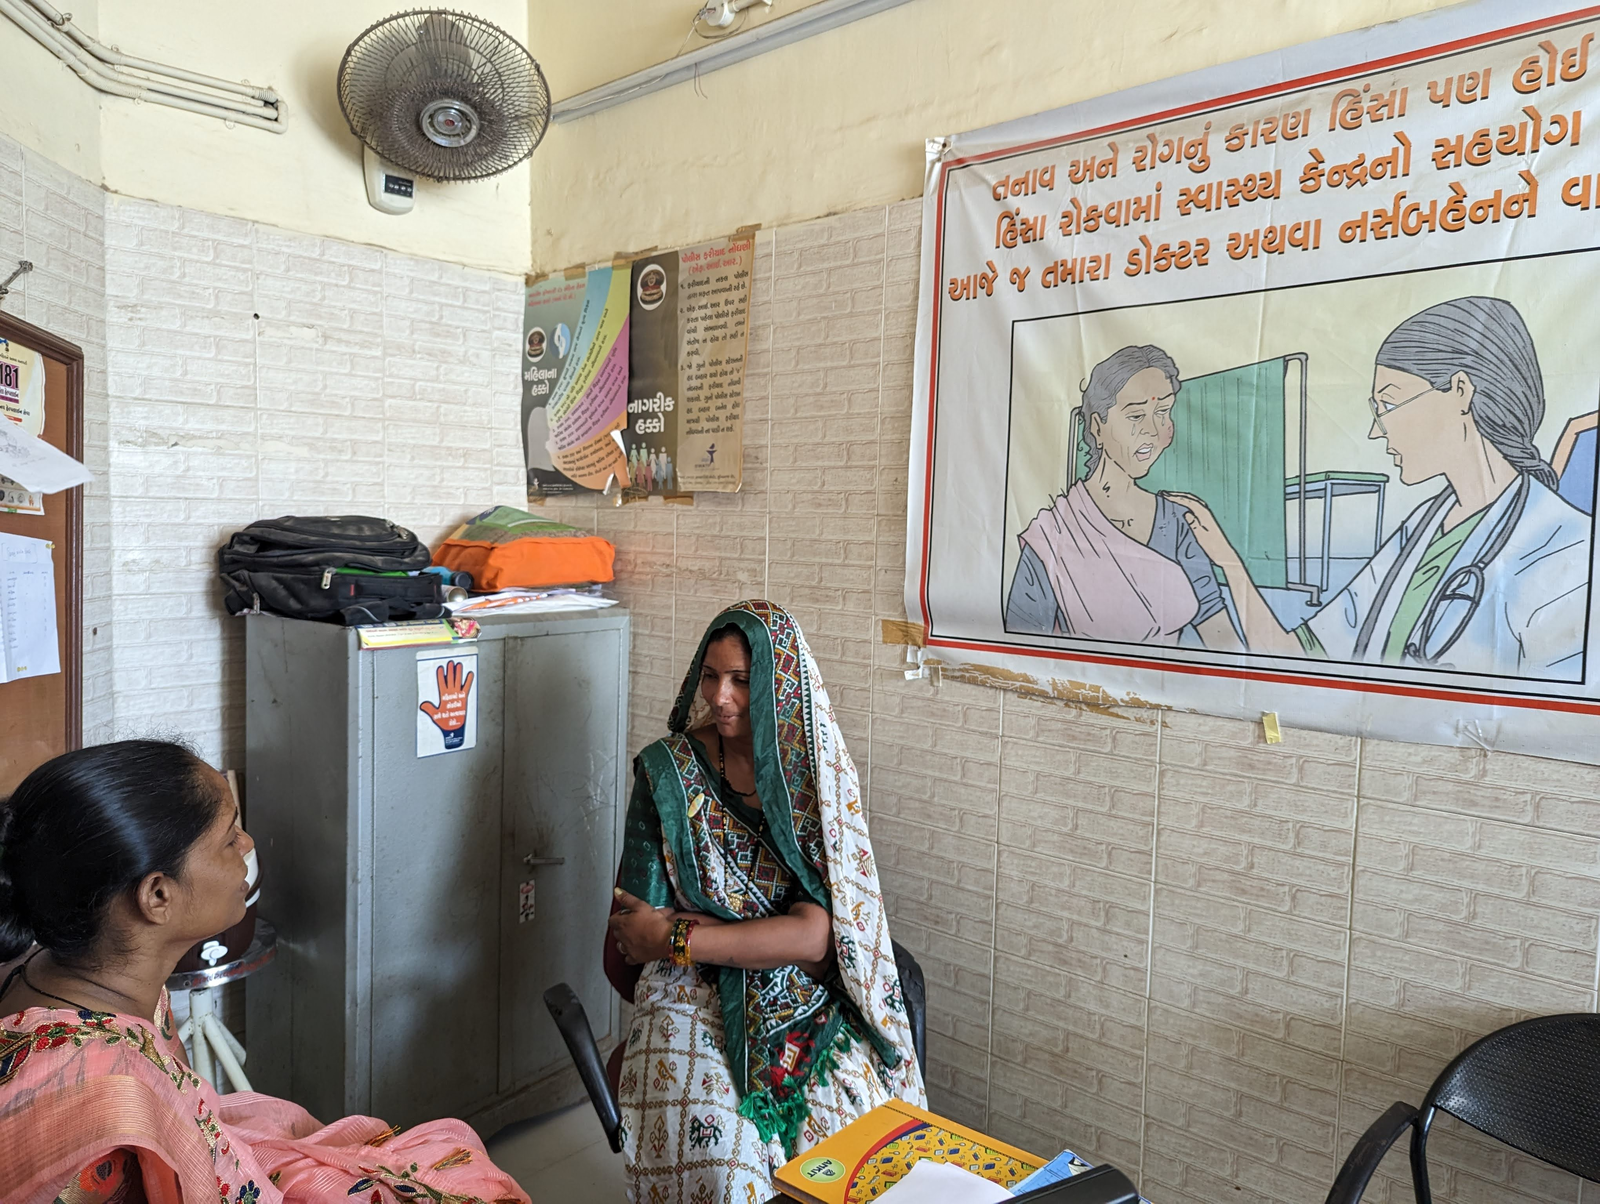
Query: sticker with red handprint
x,y
450,714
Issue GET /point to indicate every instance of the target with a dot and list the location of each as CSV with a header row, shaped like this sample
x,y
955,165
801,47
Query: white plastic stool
x,y
213,1045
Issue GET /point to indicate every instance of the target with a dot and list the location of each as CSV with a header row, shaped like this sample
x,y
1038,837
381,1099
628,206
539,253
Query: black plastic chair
x,y
1531,1085
567,1011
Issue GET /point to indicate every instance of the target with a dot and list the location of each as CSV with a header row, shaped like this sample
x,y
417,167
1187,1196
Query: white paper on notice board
x,y
27,608
34,464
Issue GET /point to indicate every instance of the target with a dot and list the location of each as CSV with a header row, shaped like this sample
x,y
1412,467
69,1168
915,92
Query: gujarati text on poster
x,y
1272,388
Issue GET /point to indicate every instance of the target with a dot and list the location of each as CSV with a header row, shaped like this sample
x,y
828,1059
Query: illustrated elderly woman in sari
x,y
1491,574
114,862
1111,560
769,1011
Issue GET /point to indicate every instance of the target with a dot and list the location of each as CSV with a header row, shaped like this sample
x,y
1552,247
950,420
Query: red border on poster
x,y
1361,685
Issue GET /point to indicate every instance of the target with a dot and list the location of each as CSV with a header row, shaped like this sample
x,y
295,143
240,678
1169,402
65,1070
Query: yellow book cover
x,y
869,1155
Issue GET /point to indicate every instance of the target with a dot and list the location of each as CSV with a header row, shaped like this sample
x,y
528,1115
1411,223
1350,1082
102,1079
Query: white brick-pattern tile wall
x,y
56,221
255,372
235,371
1152,937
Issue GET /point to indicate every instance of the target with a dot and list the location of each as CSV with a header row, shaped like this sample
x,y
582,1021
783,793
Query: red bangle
x,y
682,930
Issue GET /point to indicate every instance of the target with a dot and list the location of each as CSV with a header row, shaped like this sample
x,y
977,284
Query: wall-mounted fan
x,y
443,95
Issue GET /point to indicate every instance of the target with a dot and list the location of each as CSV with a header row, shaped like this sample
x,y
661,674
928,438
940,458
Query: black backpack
x,y
327,568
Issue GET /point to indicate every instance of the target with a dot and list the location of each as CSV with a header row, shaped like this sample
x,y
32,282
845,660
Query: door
x,y
562,765
435,873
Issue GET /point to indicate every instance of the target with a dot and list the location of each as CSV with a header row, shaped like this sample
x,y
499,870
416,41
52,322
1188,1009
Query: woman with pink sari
x,y
1110,560
114,861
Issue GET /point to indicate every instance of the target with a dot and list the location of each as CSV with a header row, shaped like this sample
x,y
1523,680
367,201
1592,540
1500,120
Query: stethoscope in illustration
x,y
1443,622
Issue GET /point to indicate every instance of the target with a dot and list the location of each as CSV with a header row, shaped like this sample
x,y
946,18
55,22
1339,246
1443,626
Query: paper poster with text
x,y
21,401
447,702
713,334
690,327
654,391
1273,388
575,382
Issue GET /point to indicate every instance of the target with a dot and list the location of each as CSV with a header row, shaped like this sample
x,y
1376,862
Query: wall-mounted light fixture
x,y
22,269
770,35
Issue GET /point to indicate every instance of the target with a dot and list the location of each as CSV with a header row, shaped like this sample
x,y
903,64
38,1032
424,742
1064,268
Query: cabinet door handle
x,y
533,861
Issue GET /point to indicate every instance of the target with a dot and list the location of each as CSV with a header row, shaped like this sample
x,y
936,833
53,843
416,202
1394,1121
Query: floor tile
x,y
561,1157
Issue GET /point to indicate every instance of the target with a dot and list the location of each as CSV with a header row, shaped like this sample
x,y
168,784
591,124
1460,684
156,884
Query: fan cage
x,y
398,66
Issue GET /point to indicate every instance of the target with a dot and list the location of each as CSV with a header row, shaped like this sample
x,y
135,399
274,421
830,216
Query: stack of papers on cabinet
x,y
527,601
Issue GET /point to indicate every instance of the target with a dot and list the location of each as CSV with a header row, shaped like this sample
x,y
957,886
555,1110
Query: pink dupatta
x,y
75,1086
1108,586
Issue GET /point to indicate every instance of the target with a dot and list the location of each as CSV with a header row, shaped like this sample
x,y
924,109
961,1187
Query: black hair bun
x,y
16,936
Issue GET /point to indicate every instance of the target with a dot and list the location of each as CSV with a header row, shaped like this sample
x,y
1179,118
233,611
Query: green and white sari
x,y
729,1073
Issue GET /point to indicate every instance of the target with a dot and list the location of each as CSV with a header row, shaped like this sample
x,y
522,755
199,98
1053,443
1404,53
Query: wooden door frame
x,y
70,354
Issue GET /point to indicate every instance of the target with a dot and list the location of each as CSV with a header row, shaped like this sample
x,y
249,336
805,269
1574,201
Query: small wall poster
x,y
447,704
689,319
22,401
22,386
575,382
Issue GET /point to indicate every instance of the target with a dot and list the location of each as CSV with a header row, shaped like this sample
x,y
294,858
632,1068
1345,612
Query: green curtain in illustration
x,y
1228,450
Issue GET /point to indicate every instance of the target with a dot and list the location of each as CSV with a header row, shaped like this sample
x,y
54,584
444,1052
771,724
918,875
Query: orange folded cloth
x,y
504,548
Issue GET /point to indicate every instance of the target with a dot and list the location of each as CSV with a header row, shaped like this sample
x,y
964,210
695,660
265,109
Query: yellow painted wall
x,y
838,122
593,44
310,177
44,106
828,125
307,179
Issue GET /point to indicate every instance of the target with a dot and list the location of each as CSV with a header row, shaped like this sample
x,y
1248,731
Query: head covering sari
x,y
77,1085
783,1028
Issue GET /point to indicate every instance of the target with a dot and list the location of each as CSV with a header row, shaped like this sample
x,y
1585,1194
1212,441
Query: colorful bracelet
x,y
682,930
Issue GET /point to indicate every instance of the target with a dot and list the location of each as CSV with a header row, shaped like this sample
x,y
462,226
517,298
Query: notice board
x,y
42,717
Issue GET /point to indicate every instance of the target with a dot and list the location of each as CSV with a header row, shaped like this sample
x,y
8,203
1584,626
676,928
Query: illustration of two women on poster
x,y
1488,575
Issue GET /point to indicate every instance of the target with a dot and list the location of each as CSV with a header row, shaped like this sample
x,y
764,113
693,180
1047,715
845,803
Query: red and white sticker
x,y
525,902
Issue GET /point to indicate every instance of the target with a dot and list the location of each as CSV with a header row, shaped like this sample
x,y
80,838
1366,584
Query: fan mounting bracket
x,y
390,189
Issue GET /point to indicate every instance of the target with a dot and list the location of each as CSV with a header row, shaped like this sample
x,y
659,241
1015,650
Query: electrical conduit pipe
x,y
103,69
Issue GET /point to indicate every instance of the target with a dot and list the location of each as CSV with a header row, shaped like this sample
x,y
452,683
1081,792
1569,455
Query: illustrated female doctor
x,y
1491,574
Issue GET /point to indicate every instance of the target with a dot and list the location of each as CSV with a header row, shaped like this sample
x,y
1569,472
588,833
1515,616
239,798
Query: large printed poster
x,y
1274,388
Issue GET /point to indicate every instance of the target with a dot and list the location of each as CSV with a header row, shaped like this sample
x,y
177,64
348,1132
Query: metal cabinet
x,y
410,971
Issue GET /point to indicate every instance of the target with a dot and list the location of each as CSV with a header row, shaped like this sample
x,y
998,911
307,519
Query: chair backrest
x,y
914,990
1533,1085
622,977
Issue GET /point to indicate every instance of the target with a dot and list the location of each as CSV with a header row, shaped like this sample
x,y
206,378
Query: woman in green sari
x,y
769,1013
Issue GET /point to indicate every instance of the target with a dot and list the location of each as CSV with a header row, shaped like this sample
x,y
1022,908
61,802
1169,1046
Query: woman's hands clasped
x,y
642,933
801,937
